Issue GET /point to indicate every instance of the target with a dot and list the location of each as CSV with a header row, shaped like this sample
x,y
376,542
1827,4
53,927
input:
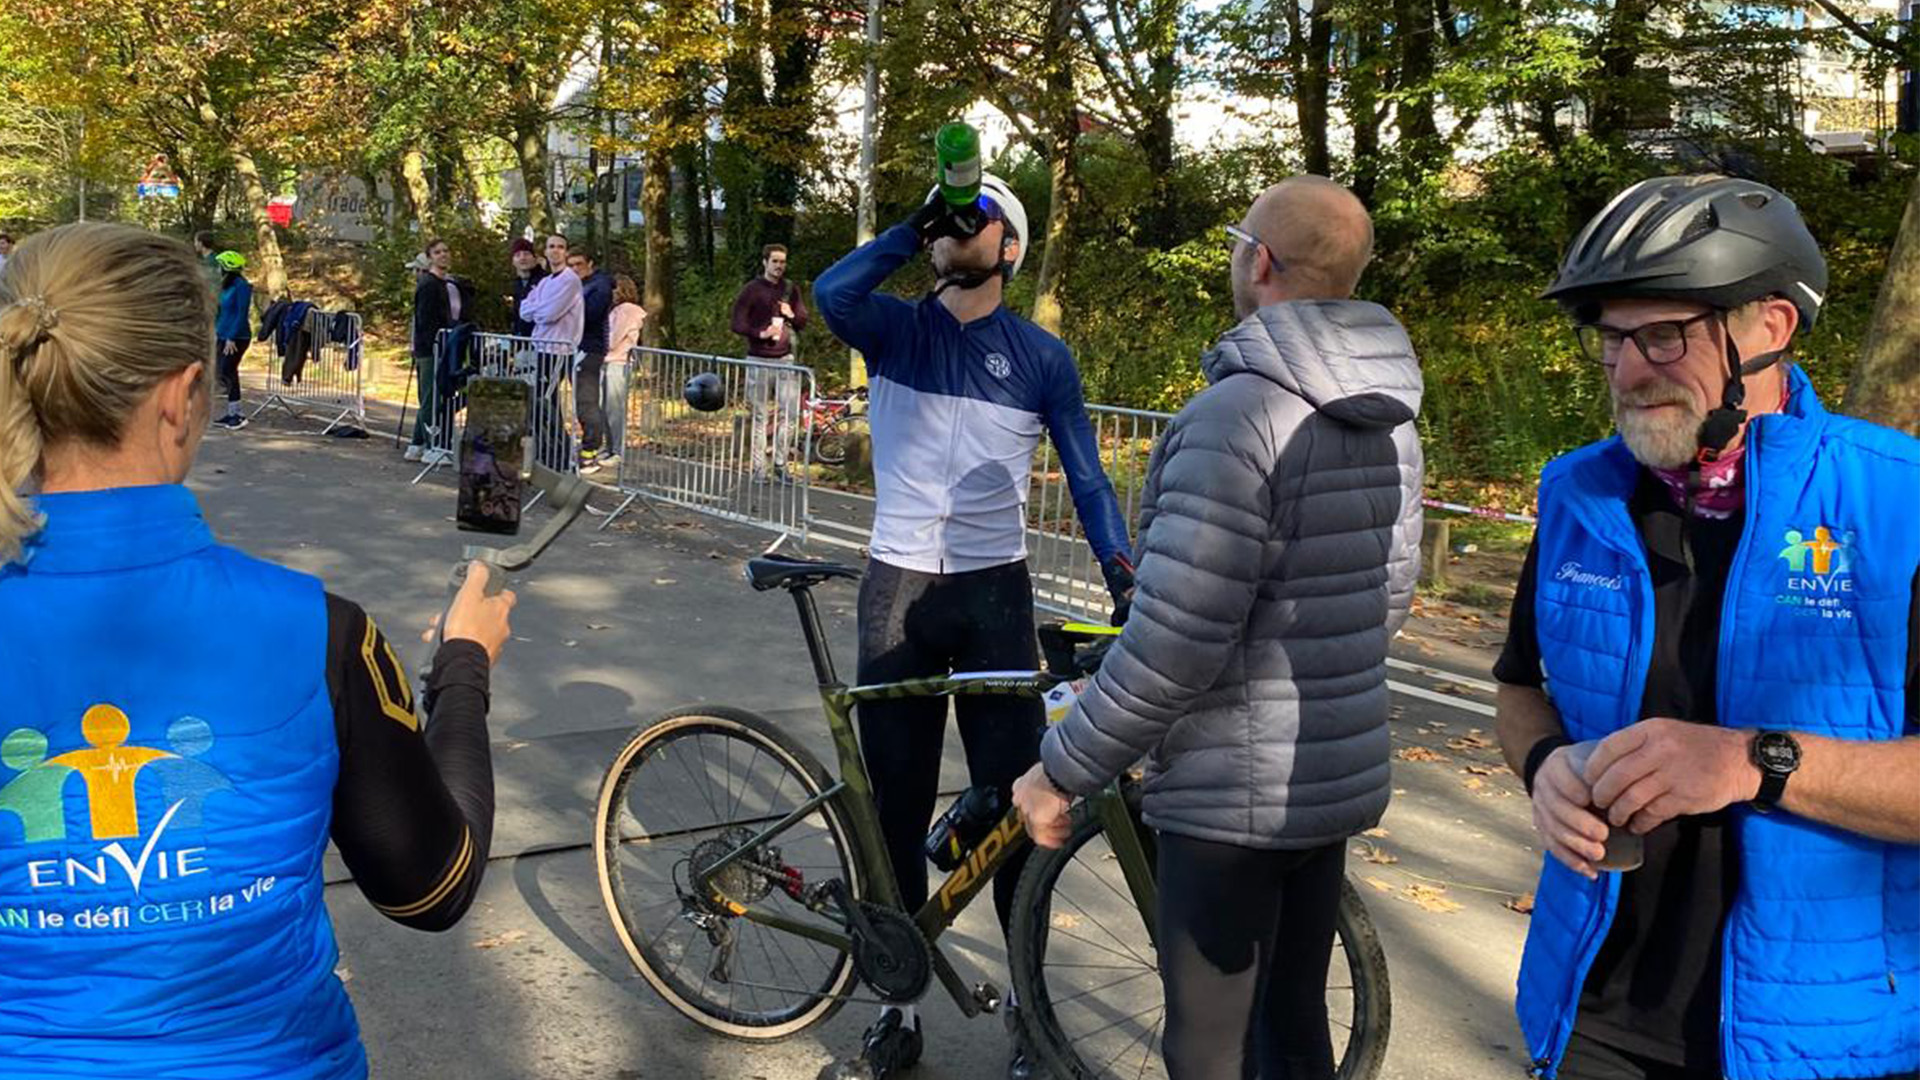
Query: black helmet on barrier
x,y
704,392
1711,240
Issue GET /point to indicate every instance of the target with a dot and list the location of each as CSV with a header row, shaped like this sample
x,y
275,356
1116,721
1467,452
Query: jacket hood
x,y
1349,359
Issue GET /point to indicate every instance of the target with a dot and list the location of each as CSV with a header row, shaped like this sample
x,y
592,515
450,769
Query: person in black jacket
x,y
596,293
440,301
527,273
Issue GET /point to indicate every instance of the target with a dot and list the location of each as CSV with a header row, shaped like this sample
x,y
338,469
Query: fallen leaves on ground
x,y
1473,783
599,626
1418,753
1522,903
1470,741
1064,921
1429,898
665,581
1374,853
505,937
1378,884
1375,832
1482,770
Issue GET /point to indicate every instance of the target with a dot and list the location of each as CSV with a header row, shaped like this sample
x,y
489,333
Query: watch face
x,y
1776,752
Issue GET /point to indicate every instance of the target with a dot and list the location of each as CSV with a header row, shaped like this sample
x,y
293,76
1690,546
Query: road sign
x,y
157,191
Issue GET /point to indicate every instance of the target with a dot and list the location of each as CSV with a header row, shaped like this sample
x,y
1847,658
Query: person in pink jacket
x,y
624,322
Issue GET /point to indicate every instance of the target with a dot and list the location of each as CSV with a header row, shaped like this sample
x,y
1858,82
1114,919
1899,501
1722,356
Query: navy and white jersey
x,y
957,411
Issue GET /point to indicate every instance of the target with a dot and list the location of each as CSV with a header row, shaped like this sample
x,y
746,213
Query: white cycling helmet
x,y
1011,211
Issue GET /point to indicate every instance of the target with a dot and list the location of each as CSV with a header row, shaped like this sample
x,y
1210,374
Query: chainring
x,y
744,881
895,961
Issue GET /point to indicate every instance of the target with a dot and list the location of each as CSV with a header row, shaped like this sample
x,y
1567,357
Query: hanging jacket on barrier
x,y
459,360
295,341
270,320
340,332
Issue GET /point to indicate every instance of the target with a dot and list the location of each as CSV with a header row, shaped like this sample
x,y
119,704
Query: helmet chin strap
x,y
1724,422
973,279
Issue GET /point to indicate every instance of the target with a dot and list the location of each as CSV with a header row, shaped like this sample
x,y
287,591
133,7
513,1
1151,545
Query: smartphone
x,y
493,455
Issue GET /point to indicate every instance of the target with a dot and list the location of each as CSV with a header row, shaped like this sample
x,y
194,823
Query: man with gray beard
x,y
1711,685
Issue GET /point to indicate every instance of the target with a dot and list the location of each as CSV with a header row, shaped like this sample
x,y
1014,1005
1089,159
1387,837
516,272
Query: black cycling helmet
x,y
1713,240
704,392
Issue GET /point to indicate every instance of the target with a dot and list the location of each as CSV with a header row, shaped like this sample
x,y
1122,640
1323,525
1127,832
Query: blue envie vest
x,y
169,762
1822,949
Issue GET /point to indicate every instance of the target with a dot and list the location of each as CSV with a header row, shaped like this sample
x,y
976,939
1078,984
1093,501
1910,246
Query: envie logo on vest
x,y
111,775
1819,573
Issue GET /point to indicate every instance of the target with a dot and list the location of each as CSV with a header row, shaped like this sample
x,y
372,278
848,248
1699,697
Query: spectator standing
x,y
6,249
557,312
768,311
233,329
527,273
440,301
596,303
203,245
624,324
1279,543
1711,681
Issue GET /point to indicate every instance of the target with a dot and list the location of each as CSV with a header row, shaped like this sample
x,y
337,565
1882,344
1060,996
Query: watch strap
x,y
1772,786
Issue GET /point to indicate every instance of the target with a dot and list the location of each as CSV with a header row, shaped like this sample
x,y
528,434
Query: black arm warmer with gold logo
x,y
412,811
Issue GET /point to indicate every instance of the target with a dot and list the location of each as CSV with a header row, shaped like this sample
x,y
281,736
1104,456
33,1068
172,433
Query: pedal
x,y
987,997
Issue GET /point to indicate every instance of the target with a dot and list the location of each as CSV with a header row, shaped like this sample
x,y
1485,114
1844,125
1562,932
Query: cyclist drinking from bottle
x,y
962,391
186,726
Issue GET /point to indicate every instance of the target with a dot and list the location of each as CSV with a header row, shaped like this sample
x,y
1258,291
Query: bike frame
x,y
853,796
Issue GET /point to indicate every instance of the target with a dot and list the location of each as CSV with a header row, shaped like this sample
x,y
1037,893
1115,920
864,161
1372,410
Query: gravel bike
x,y
751,888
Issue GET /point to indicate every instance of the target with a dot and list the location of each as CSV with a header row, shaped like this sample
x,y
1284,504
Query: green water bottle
x,y
958,147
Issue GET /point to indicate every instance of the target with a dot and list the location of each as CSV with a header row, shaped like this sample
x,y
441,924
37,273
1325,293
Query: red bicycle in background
x,y
830,421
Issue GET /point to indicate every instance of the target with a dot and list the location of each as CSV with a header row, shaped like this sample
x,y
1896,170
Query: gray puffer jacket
x,y
1278,548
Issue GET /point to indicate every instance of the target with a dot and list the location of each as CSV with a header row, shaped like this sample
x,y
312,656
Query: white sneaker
x,y
414,450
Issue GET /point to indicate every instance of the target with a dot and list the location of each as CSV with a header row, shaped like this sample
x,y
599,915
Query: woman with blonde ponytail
x,y
186,726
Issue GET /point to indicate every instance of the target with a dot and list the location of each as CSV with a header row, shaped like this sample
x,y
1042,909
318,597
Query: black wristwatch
x,y
1776,754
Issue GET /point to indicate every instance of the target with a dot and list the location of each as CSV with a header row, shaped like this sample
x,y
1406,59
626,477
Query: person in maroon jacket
x,y
767,312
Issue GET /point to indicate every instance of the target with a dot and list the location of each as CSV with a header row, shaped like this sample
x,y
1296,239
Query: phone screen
x,y
492,453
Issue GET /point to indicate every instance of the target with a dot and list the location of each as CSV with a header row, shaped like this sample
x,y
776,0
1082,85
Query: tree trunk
x,y
1363,94
267,248
691,209
1616,89
657,198
1161,37
1413,113
530,148
1886,378
1315,76
206,200
795,47
1064,184
413,169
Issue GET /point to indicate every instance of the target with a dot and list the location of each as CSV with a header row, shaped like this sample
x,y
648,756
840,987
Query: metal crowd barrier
x,y
321,373
1066,577
547,366
745,462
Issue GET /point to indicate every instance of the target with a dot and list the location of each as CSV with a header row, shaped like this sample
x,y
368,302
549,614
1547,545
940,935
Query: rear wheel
x,y
1088,978
830,442
688,791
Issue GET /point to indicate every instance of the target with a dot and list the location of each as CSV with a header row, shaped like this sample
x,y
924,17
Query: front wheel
x,y
1088,977
697,787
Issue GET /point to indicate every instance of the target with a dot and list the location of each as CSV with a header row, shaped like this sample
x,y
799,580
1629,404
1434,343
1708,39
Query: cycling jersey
x,y
957,411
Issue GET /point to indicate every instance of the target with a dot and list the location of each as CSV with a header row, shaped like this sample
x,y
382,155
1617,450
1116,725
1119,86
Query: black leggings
x,y
914,625
586,403
1245,937
228,367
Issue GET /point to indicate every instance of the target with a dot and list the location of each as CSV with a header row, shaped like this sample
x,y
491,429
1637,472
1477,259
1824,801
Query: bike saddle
x,y
787,572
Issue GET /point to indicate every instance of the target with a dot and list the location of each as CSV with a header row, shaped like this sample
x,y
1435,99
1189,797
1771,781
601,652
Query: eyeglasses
x,y
1663,342
1239,235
